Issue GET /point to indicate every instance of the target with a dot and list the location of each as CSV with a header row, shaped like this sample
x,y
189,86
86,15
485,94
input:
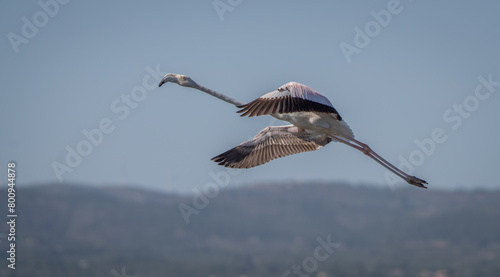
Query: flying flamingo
x,y
315,123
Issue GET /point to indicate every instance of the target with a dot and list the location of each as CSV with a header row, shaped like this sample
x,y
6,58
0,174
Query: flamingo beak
x,y
169,77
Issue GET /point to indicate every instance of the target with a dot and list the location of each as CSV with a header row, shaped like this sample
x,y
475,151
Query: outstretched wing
x,y
269,144
289,98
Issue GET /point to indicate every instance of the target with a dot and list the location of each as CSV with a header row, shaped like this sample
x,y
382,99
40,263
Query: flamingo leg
x,y
412,180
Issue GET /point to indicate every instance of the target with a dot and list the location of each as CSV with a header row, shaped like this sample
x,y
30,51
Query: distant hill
x,y
262,230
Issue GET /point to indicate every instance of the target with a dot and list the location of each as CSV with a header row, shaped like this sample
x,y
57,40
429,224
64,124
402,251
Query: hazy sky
x,y
419,81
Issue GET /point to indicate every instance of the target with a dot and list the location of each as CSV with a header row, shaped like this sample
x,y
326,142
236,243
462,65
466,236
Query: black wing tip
x,y
218,159
233,158
245,112
242,109
224,161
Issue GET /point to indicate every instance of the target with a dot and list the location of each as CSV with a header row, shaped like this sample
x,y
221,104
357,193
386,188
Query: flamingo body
x,y
302,106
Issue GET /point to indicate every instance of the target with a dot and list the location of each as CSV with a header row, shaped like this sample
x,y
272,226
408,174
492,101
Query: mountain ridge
x,y
258,230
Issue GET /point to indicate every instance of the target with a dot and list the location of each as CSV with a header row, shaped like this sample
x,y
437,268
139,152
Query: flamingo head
x,y
179,79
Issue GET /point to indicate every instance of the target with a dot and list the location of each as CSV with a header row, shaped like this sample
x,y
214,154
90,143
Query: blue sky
x,y
70,67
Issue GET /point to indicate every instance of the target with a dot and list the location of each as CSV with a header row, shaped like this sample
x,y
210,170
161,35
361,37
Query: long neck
x,y
220,96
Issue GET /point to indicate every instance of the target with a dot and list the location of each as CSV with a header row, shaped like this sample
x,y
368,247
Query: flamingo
x,y
314,124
